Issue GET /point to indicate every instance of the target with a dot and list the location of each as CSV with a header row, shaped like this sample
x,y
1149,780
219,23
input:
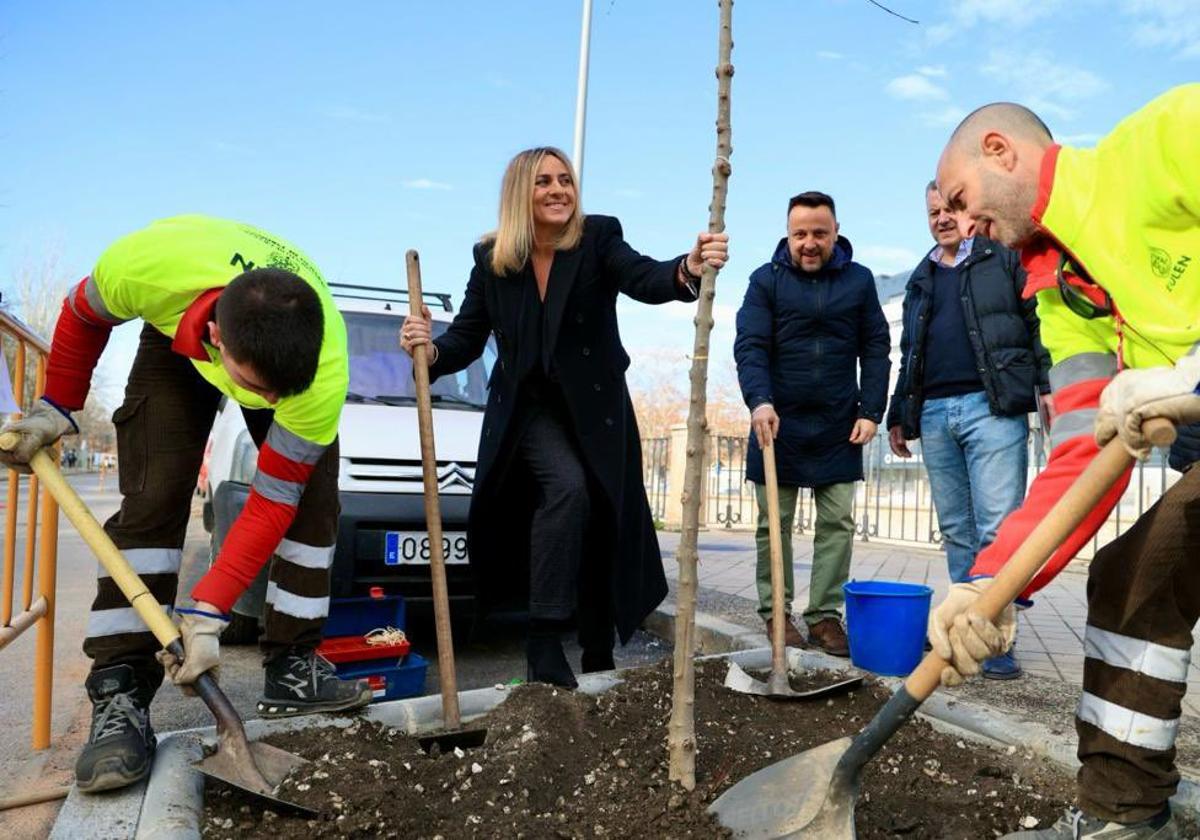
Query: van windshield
x,y
381,372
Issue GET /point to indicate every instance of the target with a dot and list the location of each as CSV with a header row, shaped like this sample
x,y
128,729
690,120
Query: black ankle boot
x,y
544,654
120,746
597,659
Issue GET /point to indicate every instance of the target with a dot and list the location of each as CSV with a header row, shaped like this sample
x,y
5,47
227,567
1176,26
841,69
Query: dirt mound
x,y
560,764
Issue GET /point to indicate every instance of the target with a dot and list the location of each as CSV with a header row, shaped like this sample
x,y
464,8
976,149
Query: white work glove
x,y
200,630
42,426
1135,396
963,637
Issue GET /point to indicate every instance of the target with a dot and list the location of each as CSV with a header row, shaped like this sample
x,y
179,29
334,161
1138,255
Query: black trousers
x,y
549,453
162,428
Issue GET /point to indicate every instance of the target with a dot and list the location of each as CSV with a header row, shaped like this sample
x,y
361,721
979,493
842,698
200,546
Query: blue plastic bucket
x,y
886,622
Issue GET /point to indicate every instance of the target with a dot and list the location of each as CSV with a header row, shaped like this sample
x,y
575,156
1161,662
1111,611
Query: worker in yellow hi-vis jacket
x,y
1110,238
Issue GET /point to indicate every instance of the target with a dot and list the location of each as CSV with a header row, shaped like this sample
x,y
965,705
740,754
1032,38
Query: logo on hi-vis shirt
x,y
1160,262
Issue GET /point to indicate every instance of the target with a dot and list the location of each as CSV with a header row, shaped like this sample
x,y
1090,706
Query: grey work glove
x,y
41,427
200,631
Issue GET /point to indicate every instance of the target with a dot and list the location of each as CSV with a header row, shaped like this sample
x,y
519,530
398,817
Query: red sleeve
x,y
79,338
247,547
1067,462
263,522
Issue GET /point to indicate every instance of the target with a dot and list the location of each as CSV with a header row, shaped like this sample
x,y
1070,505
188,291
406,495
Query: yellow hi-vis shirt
x,y
157,272
1128,214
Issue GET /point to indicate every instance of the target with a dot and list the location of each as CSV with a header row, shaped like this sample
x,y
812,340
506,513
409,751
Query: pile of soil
x,y
561,764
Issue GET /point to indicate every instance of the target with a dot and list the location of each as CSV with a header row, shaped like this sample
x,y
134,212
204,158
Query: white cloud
x,y
946,117
1173,24
348,113
1007,14
940,33
426,184
829,55
1038,81
932,72
886,259
916,87
1014,13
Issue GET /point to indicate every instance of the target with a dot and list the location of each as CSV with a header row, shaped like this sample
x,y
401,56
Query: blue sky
x,y
359,130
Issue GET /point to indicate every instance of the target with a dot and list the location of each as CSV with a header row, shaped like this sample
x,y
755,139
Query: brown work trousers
x,y
162,428
1143,601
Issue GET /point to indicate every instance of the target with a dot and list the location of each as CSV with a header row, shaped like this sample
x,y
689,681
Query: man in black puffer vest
x,y
971,366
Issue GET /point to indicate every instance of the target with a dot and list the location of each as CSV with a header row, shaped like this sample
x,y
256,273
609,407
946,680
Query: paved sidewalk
x,y
1049,638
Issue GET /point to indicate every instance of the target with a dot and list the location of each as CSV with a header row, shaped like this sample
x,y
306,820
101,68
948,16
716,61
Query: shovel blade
x,y
793,798
253,767
444,742
736,679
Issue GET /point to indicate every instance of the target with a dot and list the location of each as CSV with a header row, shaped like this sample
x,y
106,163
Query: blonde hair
x,y
512,241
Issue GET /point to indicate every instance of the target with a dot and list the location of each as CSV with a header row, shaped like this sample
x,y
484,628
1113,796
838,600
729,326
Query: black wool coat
x,y
622,578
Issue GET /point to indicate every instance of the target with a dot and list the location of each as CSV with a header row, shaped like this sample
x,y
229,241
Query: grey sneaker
x,y
300,682
120,746
1076,825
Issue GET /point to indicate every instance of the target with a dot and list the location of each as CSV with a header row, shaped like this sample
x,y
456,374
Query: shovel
x,y
453,737
255,768
777,685
812,795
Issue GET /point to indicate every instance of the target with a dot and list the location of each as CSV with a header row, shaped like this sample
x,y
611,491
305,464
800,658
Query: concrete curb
x,y
174,801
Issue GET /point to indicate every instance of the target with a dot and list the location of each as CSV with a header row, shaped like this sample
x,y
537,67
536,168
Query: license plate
x,y
411,548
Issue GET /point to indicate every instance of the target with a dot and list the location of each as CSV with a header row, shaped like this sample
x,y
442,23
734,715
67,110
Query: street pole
x,y
585,43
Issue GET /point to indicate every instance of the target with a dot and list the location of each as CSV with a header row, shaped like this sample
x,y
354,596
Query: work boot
x,y
1076,825
544,655
792,637
829,635
299,682
120,746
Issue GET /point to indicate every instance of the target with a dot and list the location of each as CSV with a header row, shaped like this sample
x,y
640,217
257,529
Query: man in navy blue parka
x,y
810,321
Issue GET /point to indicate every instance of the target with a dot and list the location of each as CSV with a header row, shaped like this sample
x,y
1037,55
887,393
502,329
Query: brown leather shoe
x,y
791,633
829,635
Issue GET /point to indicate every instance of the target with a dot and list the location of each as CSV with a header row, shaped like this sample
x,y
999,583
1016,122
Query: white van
x,y
382,540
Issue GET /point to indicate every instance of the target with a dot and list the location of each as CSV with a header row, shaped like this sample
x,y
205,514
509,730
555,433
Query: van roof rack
x,y
394,295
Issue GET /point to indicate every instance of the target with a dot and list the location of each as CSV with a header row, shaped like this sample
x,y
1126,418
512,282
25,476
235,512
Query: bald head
x,y
989,170
1008,118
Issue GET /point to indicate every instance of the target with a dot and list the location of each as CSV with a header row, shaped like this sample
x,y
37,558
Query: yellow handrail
x,y
41,542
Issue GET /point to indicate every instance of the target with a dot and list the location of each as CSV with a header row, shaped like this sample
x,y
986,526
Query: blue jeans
x,y
977,464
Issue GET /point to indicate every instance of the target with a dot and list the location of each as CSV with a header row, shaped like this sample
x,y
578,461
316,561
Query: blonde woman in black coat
x,y
559,477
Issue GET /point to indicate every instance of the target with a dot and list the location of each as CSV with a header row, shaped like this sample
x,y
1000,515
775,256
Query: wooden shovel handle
x,y
1066,515
433,512
99,542
774,531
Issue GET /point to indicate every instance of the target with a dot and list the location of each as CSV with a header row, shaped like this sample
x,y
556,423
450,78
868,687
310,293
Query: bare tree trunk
x,y
681,732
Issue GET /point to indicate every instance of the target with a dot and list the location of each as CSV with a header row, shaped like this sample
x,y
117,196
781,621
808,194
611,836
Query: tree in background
x,y
657,378
39,285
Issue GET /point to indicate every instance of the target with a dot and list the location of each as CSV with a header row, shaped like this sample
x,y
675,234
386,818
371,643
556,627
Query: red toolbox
x,y
356,649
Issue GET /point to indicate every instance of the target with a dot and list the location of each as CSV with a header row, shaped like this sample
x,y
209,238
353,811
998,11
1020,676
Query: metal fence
x,y
40,550
892,503
655,453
